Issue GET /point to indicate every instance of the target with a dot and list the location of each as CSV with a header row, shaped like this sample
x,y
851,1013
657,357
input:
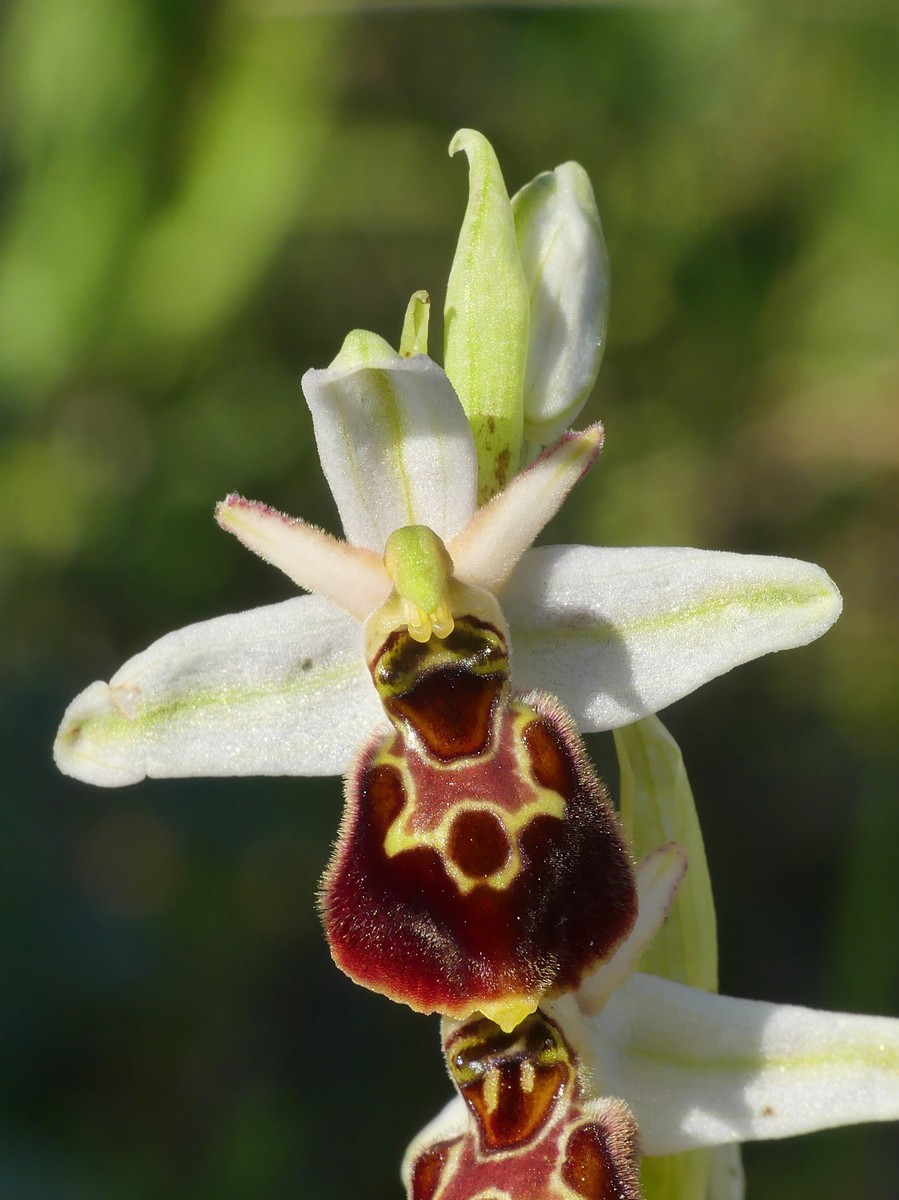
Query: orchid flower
x,y
287,689
441,663
632,1063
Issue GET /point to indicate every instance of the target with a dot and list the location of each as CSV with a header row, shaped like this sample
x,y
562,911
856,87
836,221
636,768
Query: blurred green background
x,y
198,200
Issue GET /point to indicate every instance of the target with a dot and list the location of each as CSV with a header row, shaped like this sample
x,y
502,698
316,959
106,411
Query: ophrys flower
x,y
479,866
613,634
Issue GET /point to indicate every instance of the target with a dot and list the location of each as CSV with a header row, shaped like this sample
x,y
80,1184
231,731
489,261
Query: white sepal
x,y
489,548
395,447
700,1069
617,634
563,254
280,690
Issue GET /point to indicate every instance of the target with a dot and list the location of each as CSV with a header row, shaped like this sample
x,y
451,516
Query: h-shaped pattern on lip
x,y
532,1132
480,865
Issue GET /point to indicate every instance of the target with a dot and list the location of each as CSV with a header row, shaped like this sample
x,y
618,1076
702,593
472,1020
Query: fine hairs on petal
x,y
352,577
493,542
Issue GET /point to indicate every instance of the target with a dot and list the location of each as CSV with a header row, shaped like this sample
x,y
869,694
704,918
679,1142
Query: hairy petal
x,y
705,1070
452,1121
351,577
617,634
281,690
394,445
487,551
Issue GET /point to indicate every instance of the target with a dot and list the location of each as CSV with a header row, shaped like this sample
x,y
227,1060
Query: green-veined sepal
x,y
226,697
617,634
394,444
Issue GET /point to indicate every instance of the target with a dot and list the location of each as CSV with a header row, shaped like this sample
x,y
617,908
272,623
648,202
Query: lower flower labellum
x,y
479,865
531,1130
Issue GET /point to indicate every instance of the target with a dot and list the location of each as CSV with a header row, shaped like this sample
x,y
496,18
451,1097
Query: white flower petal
x,y
395,447
658,877
281,690
566,266
620,633
487,551
352,577
704,1070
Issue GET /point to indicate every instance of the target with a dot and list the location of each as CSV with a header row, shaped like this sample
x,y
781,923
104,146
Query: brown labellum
x,y
533,1135
479,864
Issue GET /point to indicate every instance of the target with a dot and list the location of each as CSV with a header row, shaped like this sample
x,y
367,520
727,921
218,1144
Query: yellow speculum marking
x,y
528,1076
491,1089
406,834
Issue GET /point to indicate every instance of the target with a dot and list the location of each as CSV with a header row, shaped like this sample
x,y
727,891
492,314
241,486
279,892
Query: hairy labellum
x,y
532,1133
479,865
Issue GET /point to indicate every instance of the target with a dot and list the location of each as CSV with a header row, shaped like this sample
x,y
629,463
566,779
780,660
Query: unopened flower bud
x,y
563,254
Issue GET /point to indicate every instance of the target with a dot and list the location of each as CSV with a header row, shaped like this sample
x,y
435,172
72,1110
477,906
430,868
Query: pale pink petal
x,y
486,552
352,577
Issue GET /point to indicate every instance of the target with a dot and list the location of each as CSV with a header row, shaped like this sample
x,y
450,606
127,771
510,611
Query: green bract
x,y
656,806
486,319
414,338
